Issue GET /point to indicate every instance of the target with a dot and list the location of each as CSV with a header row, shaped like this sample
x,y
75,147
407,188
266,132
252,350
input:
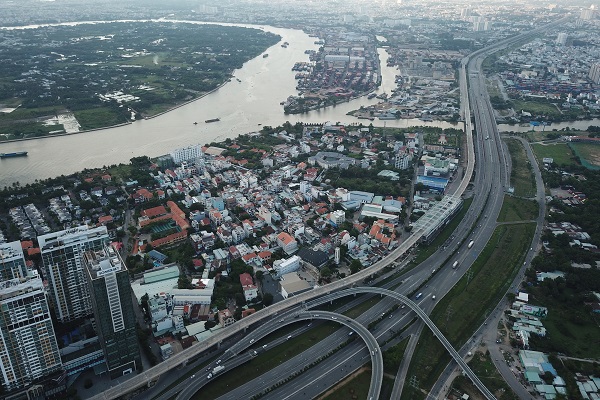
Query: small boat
x,y
372,95
265,55
208,121
195,123
15,154
259,124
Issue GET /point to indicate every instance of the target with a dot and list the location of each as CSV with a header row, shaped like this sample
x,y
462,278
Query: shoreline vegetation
x,y
152,79
117,125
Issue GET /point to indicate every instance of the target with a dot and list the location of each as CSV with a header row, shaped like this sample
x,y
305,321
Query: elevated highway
x,y
290,318
151,375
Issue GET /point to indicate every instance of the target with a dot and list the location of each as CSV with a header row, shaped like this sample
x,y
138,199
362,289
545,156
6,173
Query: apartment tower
x,y
62,256
112,304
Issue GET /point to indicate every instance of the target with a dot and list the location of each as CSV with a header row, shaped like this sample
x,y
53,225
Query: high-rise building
x,y
112,303
12,262
594,73
62,255
187,153
561,38
588,14
28,348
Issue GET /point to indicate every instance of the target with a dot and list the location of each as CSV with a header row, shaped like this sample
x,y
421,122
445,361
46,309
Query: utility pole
x,y
469,276
414,383
449,312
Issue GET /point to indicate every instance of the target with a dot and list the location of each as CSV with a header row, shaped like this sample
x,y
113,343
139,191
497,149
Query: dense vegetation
x,y
50,70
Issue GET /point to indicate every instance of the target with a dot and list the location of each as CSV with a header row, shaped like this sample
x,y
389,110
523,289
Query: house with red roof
x,y
384,232
105,220
250,290
287,243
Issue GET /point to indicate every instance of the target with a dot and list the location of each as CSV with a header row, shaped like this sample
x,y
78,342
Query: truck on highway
x,y
471,244
217,369
454,264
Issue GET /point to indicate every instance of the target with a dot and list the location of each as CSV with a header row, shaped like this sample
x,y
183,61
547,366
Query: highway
x,y
373,347
489,169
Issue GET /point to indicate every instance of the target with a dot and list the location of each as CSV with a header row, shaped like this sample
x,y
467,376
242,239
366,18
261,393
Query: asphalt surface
x,y
196,383
491,178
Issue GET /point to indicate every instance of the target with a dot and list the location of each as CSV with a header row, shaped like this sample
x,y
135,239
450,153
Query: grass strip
x,y
521,175
265,362
482,365
515,209
460,312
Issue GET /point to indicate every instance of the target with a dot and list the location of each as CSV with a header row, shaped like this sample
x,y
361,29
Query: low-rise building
x,y
291,284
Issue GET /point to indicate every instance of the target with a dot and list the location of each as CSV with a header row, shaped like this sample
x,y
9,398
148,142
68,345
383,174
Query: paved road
x,y
373,347
183,357
488,329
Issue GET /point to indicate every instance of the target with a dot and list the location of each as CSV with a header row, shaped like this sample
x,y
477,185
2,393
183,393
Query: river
x,y
241,106
580,125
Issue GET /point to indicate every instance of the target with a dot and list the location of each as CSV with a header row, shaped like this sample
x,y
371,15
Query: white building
x,y
337,217
187,153
285,266
402,161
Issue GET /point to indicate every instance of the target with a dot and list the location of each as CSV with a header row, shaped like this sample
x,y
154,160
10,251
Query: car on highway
x,y
251,341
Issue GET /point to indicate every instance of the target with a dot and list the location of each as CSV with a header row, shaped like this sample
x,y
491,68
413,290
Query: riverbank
x,y
123,124
66,133
146,90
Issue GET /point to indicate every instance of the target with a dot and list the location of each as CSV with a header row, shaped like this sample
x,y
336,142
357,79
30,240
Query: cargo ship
x,y
208,121
16,154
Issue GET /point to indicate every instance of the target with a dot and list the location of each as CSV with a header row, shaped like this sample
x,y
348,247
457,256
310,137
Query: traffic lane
x,y
328,374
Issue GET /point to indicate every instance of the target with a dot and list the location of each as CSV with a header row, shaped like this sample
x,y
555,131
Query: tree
x,y
260,275
267,299
325,272
355,266
184,282
240,300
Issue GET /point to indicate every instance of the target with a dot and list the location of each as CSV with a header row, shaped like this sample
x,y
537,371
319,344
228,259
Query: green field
x,y
560,152
521,176
357,387
98,118
362,307
588,151
460,312
571,330
536,108
393,356
265,362
485,369
515,209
